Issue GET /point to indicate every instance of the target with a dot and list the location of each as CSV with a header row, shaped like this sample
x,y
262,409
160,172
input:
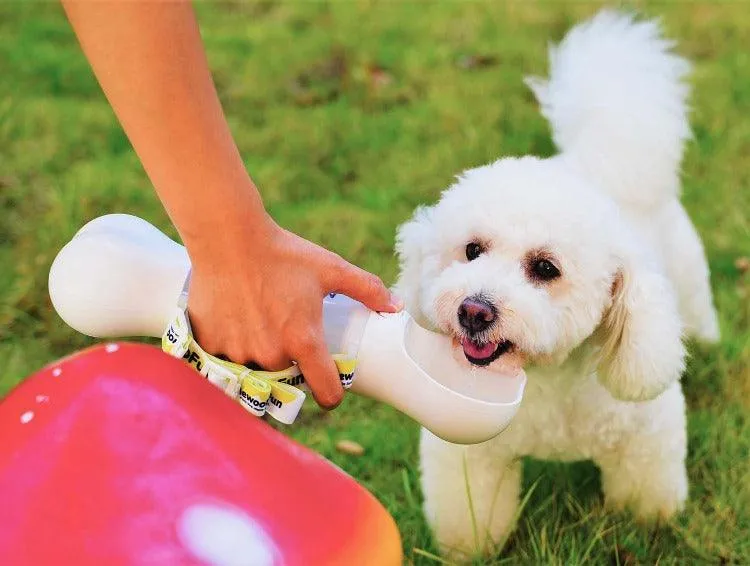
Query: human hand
x,y
260,301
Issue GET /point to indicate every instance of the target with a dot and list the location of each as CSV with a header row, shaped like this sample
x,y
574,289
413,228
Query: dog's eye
x,y
545,270
473,251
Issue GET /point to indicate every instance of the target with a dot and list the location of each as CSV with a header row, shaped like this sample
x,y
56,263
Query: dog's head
x,y
522,261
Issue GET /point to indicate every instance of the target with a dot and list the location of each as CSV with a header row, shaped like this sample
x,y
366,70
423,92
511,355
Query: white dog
x,y
583,267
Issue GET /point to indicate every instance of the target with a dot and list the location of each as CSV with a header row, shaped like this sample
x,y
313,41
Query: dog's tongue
x,y
478,351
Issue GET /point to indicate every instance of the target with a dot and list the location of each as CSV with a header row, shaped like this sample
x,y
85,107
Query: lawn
x,y
348,116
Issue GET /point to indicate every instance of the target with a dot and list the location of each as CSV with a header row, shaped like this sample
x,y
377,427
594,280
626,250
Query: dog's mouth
x,y
484,353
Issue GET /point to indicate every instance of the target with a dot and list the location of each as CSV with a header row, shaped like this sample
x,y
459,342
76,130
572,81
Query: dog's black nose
x,y
476,314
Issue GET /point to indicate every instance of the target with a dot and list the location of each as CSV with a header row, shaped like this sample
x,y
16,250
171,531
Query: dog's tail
x,y
617,103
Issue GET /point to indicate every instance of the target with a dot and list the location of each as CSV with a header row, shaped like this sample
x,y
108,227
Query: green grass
x,y
349,115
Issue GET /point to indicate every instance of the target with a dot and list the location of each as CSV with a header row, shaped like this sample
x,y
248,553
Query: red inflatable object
x,y
122,455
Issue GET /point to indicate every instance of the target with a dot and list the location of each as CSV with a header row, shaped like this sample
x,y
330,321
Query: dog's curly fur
x,y
602,342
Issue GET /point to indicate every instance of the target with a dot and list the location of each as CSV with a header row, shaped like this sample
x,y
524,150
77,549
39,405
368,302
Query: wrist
x,y
228,233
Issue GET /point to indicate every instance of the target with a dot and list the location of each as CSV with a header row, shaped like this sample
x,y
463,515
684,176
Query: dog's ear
x,y
642,352
412,242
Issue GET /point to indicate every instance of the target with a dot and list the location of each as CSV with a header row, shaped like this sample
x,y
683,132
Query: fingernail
x,y
331,401
396,303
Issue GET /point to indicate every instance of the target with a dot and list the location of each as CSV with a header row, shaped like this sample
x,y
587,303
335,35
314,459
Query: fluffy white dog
x,y
583,267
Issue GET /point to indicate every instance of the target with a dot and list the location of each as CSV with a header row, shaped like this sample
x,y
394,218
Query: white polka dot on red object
x,y
223,535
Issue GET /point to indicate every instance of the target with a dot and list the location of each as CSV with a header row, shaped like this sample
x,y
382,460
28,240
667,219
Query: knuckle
x,y
376,282
272,360
373,284
339,268
235,353
303,341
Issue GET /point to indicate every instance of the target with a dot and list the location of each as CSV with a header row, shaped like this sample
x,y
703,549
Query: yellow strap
x,y
277,393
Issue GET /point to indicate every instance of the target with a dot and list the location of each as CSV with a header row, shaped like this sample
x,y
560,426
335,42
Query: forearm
x,y
150,63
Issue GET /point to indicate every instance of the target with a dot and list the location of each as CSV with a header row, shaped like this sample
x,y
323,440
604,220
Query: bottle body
x,y
344,322
120,277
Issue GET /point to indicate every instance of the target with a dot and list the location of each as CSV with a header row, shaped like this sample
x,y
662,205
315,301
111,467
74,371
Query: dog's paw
x,y
708,332
653,501
467,552
461,544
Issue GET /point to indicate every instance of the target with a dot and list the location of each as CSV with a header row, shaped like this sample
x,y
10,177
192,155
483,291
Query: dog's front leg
x,y
471,495
646,472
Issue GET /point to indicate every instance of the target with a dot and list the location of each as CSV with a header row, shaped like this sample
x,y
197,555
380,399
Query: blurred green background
x,y
348,116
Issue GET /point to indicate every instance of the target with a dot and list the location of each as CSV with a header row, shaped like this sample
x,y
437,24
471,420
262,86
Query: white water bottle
x,y
120,276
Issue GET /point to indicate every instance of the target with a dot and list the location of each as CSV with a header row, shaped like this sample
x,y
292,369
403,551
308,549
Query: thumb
x,y
368,289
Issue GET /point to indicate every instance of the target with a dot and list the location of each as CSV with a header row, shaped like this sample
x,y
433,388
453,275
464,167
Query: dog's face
x,y
522,261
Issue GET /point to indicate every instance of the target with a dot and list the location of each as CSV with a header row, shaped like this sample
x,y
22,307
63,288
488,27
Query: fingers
x,y
302,341
309,349
236,349
368,289
268,361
